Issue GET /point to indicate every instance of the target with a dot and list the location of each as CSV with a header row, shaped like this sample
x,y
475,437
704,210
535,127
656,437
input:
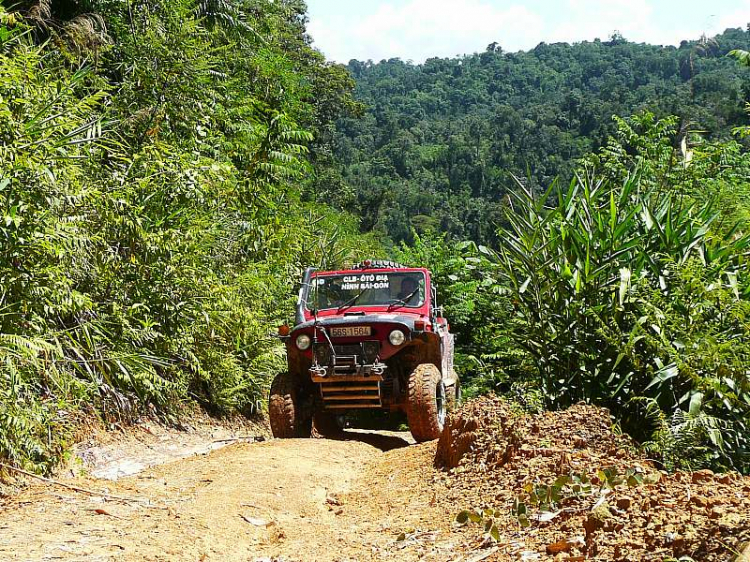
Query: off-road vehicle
x,y
369,337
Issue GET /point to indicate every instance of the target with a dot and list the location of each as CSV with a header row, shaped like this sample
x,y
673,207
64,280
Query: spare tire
x,y
425,409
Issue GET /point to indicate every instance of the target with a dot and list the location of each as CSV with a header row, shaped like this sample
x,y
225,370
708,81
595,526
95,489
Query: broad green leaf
x,y
475,517
696,401
463,517
524,286
732,278
664,374
648,220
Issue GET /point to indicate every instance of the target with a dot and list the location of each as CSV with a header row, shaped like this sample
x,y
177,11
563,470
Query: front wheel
x,y
284,409
425,410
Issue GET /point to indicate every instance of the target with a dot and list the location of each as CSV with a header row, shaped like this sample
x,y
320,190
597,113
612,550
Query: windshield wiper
x,y
406,299
352,300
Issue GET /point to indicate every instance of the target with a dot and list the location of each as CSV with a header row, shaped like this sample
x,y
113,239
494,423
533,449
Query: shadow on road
x,y
385,441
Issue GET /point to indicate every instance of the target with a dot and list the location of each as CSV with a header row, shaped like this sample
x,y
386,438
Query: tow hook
x,y
318,371
377,369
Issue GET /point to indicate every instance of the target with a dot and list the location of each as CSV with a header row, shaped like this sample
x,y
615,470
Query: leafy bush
x,y
477,307
152,228
703,327
625,297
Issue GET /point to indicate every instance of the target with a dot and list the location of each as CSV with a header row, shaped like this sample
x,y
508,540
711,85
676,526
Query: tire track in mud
x,y
290,499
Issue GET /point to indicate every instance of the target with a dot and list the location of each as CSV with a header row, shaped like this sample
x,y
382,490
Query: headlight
x,y
396,337
303,342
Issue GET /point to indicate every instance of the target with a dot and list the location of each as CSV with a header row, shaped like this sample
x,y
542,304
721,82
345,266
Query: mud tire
x,y
423,411
325,424
284,411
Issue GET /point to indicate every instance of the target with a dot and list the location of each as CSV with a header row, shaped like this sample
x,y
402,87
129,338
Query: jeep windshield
x,y
345,290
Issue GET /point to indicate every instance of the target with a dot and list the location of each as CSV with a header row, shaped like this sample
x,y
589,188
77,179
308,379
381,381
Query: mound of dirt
x,y
563,485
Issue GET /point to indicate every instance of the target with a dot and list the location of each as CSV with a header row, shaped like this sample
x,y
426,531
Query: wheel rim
x,y
440,401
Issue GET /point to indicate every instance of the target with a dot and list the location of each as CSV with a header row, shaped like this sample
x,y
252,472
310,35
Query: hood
x,y
406,320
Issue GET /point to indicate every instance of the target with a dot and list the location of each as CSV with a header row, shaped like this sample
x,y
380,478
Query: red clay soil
x,y
492,454
375,496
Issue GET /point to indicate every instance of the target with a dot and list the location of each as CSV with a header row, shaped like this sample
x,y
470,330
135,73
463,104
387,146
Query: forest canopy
x,y
440,141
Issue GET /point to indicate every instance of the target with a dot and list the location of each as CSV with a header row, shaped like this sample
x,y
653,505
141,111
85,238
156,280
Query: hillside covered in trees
x,y
439,141
584,209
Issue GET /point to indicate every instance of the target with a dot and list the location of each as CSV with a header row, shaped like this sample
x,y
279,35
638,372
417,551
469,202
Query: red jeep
x,y
367,337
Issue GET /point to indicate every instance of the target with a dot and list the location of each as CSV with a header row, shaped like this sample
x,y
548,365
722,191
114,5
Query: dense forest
x,y
584,209
440,141
167,170
152,232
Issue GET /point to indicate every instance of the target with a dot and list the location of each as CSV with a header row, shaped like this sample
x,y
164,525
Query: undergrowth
x,y
151,226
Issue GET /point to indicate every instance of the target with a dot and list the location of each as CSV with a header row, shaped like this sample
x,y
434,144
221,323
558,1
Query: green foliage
x,y
441,140
743,57
701,415
680,163
152,226
624,290
485,517
541,502
476,306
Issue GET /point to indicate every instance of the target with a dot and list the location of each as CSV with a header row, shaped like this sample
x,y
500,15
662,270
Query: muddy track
x,y
295,499
377,496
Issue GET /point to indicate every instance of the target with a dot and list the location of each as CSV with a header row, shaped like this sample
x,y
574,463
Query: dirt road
x,y
290,500
374,496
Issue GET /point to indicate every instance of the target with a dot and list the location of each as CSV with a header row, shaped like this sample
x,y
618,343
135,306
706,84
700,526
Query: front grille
x,y
348,349
364,353
350,395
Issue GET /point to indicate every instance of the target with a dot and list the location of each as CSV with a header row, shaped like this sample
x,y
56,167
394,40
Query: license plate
x,y
351,331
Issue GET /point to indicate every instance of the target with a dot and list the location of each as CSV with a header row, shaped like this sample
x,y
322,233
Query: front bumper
x,y
355,359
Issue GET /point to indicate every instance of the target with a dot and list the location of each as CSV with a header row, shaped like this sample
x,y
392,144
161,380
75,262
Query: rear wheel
x,y
326,424
284,410
425,409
